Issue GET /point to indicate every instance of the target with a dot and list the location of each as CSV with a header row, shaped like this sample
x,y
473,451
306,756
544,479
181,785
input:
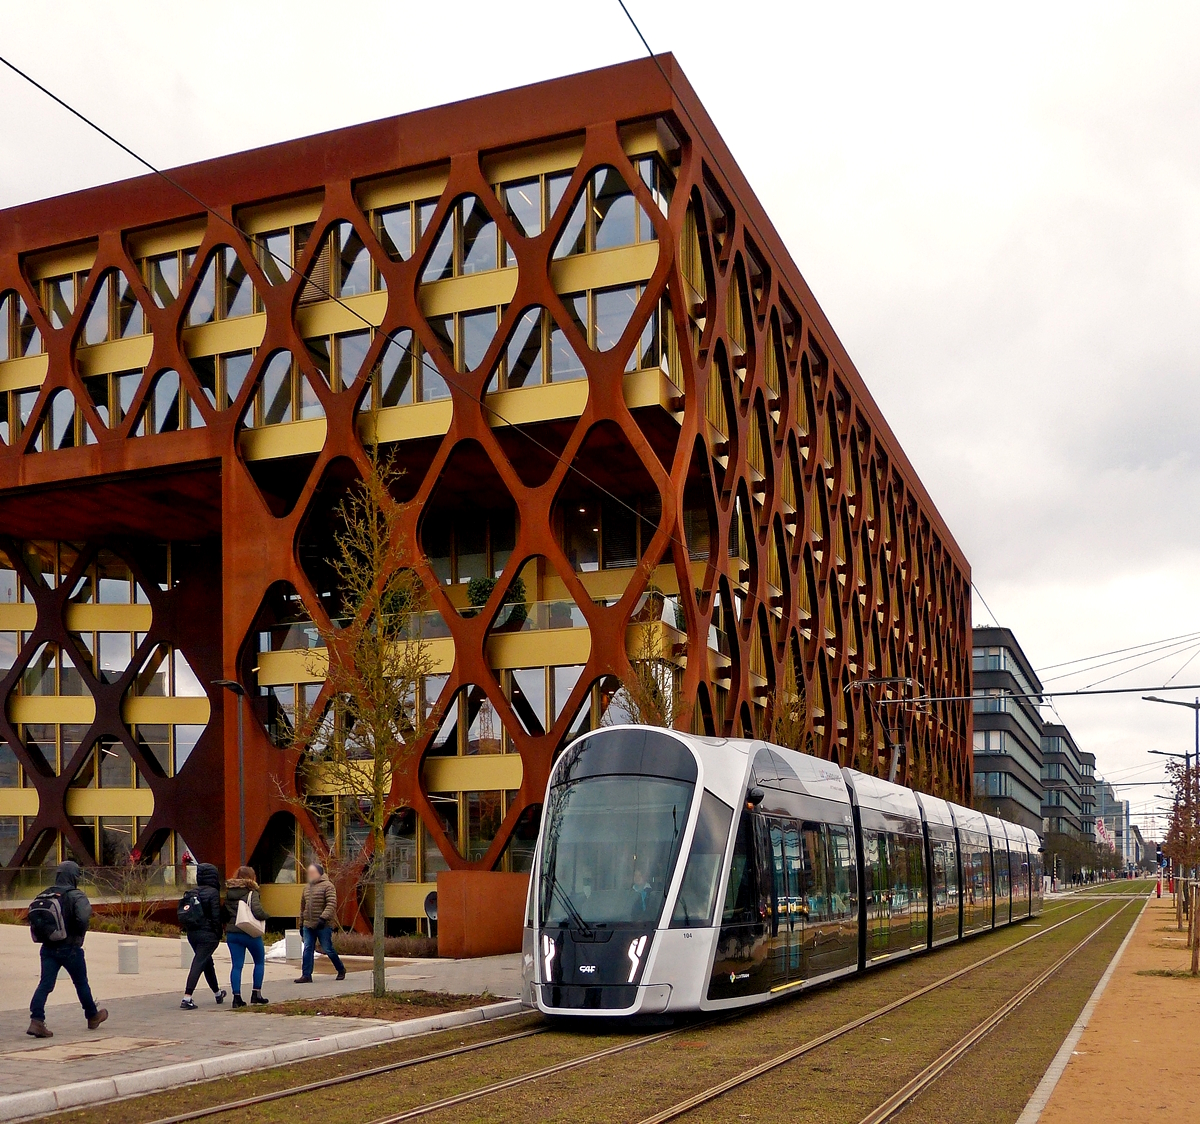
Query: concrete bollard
x,y
293,946
127,957
185,952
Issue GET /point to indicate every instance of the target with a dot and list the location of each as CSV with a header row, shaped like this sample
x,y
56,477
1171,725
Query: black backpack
x,y
47,919
190,910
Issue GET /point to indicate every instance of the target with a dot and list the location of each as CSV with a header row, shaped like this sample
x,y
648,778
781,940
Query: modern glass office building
x,y
565,314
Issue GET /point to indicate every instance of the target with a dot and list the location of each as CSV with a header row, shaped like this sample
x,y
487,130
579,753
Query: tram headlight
x,y
636,947
549,951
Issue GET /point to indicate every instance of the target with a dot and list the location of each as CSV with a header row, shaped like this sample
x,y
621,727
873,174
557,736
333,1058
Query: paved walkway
x,y
1139,1057
146,1028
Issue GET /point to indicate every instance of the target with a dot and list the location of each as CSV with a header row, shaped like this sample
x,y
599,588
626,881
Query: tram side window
x,y
945,889
816,874
741,891
843,882
698,892
875,867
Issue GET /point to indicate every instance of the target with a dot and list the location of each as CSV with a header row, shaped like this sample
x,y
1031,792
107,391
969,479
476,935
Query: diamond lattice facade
x,y
565,313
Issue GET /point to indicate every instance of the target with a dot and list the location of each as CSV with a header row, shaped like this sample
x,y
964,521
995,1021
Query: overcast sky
x,y
997,207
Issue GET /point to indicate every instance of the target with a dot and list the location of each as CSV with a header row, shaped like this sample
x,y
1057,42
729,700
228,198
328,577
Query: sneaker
x,y
39,1029
188,1004
219,996
303,979
238,1001
257,999
98,1018
341,975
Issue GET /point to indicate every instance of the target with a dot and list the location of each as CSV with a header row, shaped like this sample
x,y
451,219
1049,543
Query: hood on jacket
x,y
208,875
67,875
241,883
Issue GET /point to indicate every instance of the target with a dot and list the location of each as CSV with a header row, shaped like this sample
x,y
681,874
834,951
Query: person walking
x,y
58,919
242,887
318,910
203,932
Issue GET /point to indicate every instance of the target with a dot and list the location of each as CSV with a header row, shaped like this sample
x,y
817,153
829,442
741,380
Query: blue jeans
x,y
239,944
325,935
54,958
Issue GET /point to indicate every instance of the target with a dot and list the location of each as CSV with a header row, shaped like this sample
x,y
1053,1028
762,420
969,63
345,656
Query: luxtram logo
x,y
735,976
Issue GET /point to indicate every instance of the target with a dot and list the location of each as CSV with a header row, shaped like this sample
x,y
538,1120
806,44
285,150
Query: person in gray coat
x,y
66,953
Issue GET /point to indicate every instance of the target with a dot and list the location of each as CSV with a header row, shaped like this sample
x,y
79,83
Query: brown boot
x,y
97,1018
39,1029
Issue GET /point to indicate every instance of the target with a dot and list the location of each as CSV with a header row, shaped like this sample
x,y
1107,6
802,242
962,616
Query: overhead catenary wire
x,y
1117,651
1162,651
289,268
984,603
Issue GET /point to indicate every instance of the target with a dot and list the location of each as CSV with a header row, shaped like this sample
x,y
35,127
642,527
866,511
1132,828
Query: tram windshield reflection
x,y
610,847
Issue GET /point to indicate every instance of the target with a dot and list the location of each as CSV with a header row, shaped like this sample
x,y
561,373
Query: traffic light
x,y
1160,855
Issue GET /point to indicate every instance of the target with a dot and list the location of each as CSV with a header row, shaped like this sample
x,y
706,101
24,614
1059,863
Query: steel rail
x,y
409,1114
748,1075
912,1089
521,1079
346,1078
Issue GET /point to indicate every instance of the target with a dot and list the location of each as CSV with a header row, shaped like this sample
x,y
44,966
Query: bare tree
x,y
1182,842
373,667
789,722
650,692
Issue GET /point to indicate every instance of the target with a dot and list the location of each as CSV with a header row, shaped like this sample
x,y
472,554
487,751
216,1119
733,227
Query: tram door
x,y
787,923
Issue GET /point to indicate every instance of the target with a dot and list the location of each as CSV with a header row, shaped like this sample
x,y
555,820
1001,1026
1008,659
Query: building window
x,y
607,216
471,543
114,313
608,533
283,394
19,335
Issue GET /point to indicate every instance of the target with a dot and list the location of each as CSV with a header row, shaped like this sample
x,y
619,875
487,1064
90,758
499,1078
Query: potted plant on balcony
x,y
513,612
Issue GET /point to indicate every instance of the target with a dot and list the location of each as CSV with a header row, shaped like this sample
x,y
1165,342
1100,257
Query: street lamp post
x,y
237,689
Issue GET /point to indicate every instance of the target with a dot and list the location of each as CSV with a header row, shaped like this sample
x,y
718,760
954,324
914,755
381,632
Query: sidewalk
x,y
146,1028
1139,1057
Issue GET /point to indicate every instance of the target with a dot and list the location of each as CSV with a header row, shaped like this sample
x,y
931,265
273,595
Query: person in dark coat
x,y
68,954
205,936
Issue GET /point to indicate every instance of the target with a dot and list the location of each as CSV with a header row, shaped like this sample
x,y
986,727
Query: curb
x,y
1036,1104
41,1102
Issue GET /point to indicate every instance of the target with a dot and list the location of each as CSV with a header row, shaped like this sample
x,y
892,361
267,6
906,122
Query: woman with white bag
x,y
244,933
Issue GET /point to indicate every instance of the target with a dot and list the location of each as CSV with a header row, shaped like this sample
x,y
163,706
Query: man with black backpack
x,y
58,920
200,914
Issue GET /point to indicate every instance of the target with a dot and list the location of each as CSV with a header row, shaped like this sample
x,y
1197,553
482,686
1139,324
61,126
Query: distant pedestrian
x,y
318,910
244,936
58,919
200,914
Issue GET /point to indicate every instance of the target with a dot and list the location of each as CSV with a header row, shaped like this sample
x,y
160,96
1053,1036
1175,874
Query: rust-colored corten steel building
x,y
564,311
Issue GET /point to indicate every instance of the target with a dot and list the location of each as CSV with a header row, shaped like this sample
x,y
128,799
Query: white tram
x,y
682,873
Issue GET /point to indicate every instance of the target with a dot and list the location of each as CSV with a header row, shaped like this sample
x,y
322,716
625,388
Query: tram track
x,y
931,1073
493,1088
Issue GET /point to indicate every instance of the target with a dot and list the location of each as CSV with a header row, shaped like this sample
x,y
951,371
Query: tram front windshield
x,y
610,848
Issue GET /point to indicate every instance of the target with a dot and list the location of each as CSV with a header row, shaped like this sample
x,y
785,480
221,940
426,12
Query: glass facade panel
x,y
485,813
395,232
479,237
397,382
614,211
523,202
237,298
524,354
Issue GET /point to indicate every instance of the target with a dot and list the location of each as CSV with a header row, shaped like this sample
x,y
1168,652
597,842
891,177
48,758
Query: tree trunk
x,y
379,980
1195,937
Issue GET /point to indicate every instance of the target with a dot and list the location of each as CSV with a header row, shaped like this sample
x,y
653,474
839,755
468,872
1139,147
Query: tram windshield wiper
x,y
573,914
